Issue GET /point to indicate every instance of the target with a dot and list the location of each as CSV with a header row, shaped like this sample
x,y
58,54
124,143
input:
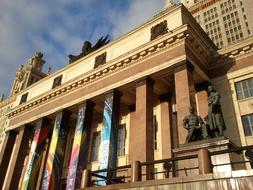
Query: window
x,y
155,130
244,88
247,121
121,140
95,146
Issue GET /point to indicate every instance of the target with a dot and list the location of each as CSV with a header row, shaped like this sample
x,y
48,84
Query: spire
x,y
2,97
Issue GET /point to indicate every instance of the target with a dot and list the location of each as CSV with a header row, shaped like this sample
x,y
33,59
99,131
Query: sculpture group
x,y
88,48
213,124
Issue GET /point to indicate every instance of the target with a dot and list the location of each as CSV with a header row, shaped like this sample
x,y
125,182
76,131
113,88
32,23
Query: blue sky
x,y
59,27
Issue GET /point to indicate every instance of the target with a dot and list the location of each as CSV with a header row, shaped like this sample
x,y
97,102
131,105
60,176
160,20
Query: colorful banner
x,y
80,146
40,135
108,147
53,169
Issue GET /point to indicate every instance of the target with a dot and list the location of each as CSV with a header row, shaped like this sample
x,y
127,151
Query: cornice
x,y
233,52
147,50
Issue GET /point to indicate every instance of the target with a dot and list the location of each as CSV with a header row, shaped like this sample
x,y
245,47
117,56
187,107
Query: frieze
x,y
102,72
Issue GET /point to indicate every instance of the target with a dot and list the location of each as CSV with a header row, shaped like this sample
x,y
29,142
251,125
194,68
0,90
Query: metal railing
x,y
140,171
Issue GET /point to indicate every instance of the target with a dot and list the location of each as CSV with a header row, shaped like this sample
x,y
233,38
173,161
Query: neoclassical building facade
x,y
124,104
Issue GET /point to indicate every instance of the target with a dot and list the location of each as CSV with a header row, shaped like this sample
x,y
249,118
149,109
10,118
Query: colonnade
x,y
40,163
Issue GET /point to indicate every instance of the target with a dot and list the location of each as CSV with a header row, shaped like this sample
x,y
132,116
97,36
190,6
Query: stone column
x,y
80,146
202,99
185,96
5,154
53,169
166,132
142,145
108,147
39,137
136,171
17,159
43,164
131,133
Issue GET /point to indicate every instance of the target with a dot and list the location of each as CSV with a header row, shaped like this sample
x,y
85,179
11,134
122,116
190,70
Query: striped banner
x,y
53,169
40,135
80,146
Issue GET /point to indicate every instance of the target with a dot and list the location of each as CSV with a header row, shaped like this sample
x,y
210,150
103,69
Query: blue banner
x,y
108,147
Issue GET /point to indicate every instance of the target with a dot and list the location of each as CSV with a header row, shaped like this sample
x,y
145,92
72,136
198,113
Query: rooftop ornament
x,y
88,48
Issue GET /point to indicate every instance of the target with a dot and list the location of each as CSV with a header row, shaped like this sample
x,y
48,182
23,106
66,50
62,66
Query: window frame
x,y
247,128
244,89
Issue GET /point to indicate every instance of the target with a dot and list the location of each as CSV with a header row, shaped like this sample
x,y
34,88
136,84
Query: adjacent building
x,y
25,76
124,106
225,21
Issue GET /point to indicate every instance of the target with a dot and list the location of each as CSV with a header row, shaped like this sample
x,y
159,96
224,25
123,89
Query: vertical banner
x,y
53,169
79,154
40,135
108,147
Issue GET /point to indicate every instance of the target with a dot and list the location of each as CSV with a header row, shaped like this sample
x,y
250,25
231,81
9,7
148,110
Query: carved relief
x,y
159,29
100,60
23,98
57,81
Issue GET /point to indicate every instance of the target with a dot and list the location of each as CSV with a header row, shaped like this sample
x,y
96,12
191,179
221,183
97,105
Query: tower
x,y
31,73
224,21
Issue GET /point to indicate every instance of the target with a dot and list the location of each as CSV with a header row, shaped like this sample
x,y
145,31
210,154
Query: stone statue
x,y
49,71
168,3
215,119
21,73
195,126
37,61
2,97
87,48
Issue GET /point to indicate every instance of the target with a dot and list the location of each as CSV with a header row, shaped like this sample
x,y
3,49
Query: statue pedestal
x,y
192,148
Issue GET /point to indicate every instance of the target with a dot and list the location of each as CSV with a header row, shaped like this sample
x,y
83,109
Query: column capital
x,y
26,126
145,80
64,111
116,93
165,97
11,132
46,120
87,103
132,108
183,65
202,86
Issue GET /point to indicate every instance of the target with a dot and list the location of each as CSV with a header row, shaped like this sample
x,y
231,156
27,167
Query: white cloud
x,y
56,29
138,13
